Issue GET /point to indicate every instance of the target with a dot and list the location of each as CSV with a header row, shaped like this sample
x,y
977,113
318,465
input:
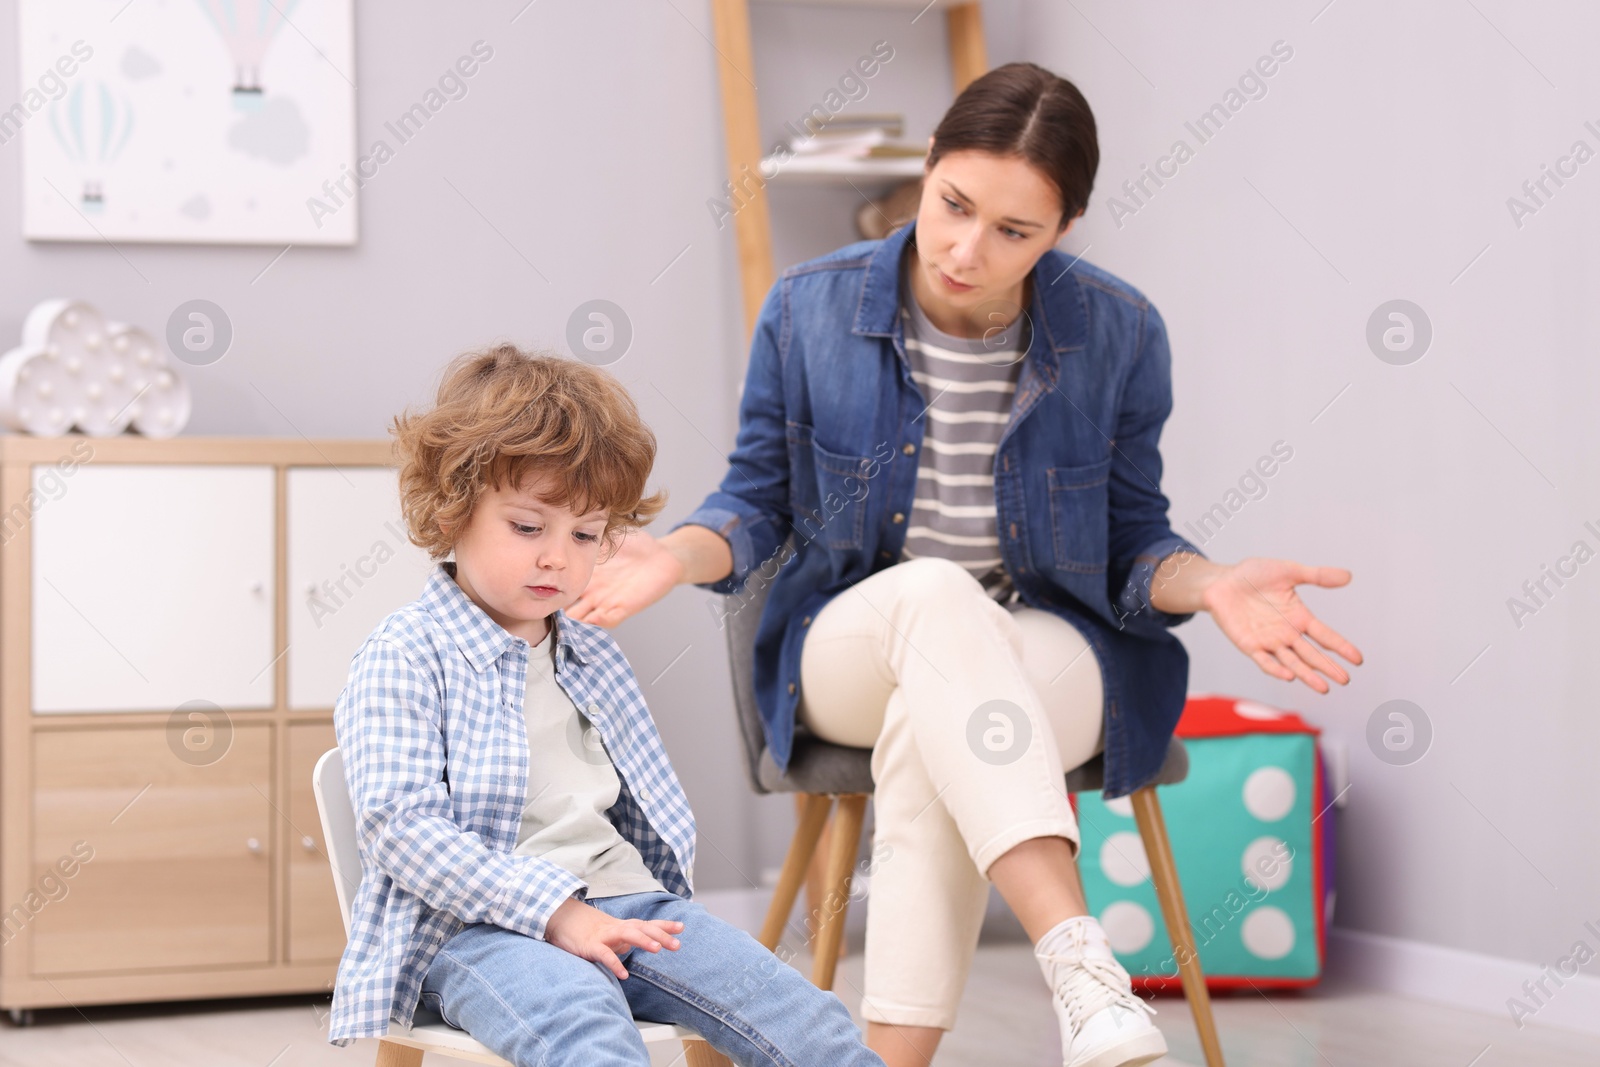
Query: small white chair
x,y
405,1048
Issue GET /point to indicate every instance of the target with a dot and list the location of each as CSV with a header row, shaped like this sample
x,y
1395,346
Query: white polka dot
x,y
1267,933
1269,793
1122,806
1123,860
1267,863
1128,926
1249,709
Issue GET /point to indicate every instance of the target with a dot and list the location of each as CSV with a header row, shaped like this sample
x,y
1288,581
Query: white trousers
x,y
972,710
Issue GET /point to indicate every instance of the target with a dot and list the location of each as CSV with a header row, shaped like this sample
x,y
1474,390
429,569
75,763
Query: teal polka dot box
x,y
1252,837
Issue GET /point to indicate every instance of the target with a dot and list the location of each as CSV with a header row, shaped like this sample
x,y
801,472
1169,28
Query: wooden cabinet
x,y
177,618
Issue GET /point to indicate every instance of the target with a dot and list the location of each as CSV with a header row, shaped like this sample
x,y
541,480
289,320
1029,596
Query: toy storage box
x,y
1252,836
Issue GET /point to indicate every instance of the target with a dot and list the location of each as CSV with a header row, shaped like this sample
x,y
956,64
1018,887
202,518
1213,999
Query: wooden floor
x,y
1005,1019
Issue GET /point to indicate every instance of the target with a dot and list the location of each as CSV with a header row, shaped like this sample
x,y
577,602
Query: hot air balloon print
x,y
247,28
91,123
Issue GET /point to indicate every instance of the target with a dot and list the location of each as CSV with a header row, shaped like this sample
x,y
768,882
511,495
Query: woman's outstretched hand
x,y
639,573
1254,602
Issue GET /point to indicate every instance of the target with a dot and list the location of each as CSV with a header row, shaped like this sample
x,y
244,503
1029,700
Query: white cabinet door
x,y
152,586
350,564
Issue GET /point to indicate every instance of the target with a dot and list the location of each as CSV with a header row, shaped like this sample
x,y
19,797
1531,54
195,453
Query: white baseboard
x,y
1460,979
1470,980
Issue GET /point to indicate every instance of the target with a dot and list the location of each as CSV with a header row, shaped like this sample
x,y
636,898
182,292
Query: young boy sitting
x,y
523,836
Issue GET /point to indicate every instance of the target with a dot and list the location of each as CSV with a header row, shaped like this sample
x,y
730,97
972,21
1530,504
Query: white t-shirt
x,y
571,784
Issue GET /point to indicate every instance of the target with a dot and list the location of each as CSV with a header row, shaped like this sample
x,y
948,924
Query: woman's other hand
x,y
1254,602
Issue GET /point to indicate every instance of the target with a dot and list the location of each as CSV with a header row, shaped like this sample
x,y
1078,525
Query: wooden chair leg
x,y
1164,873
393,1055
698,1053
813,817
816,882
846,843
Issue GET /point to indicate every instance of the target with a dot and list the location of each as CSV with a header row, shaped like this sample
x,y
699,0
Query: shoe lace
x,y
1090,985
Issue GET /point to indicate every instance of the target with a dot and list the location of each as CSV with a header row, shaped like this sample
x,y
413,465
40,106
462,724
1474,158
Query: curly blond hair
x,y
503,418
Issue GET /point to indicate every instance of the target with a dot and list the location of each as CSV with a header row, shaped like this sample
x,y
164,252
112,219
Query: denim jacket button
x,y
791,688
909,449
899,516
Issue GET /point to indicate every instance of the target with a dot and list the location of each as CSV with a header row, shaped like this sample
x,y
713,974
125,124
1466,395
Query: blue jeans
x,y
540,1006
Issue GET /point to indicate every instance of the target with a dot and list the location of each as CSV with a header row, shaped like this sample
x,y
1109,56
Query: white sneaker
x,y
1103,1023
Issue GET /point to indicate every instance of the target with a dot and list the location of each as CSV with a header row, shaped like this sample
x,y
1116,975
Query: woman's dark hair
x,y
1023,110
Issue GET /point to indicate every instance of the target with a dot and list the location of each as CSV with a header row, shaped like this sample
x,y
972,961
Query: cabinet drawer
x,y
181,869
153,586
316,931
350,564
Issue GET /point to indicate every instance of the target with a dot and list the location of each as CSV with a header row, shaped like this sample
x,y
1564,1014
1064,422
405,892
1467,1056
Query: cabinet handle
x,y
253,844
308,843
258,587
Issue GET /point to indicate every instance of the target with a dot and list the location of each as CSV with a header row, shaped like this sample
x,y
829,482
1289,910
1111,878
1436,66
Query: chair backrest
x,y
338,828
742,615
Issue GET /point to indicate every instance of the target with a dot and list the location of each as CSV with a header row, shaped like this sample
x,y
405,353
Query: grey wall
x,y
1378,166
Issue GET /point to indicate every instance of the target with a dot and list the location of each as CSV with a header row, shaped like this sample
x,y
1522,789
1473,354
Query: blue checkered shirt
x,y
436,758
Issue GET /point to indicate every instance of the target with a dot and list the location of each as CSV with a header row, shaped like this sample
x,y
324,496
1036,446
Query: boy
x,y
527,852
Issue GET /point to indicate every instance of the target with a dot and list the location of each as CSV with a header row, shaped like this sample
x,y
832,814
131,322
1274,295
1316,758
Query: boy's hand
x,y
590,933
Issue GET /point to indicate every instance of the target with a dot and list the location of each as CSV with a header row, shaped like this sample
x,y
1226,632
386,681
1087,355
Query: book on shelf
x,y
856,137
892,121
897,151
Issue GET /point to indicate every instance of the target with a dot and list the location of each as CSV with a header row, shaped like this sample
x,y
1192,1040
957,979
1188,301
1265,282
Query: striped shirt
x,y
969,383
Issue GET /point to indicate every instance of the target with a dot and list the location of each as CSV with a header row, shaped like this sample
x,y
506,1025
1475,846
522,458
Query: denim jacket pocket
x,y
827,490
1080,516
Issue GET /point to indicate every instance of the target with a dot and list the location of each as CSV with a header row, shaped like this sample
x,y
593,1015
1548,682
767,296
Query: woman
x,y
947,468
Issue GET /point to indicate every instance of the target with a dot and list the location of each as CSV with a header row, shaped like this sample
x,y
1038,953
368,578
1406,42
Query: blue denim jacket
x,y
823,473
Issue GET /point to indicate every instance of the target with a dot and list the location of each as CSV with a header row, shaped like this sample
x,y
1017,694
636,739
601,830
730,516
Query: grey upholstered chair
x,y
820,773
